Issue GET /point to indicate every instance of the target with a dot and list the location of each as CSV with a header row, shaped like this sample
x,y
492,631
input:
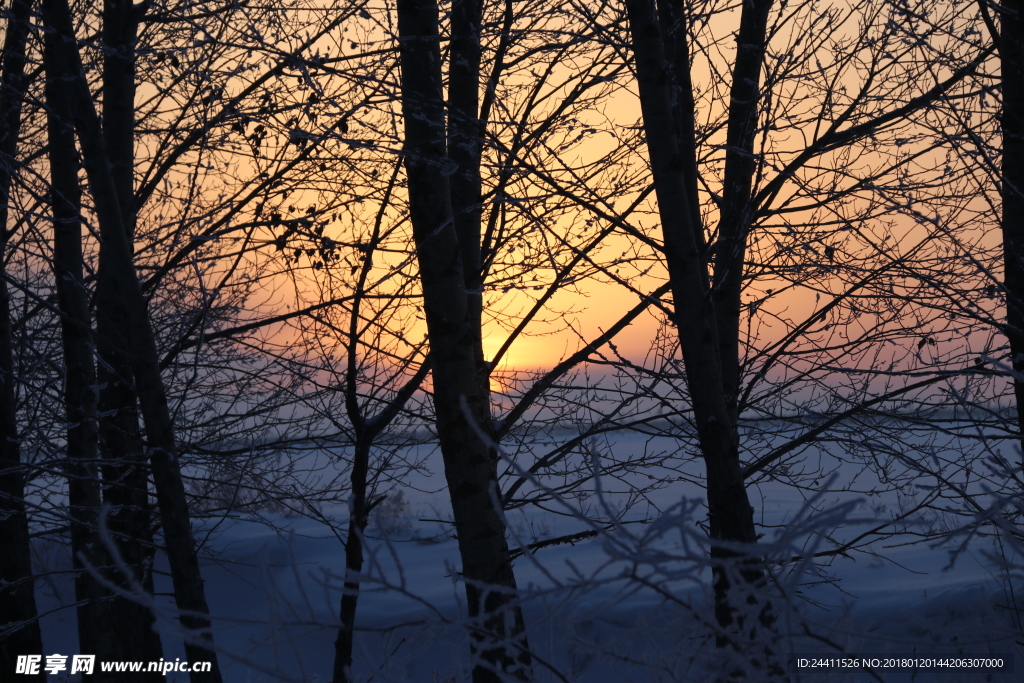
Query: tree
x,y
981,136
708,281
491,244
125,473
20,634
483,248
713,388
116,271
460,402
1009,39
127,373
97,611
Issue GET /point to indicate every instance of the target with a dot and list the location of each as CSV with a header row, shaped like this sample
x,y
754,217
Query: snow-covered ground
x,y
629,605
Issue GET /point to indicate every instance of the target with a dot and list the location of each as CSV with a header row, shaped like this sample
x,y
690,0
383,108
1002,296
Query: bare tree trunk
x,y
366,431
120,26
1011,51
126,476
729,511
19,628
672,21
117,268
463,415
357,519
465,134
737,208
110,626
84,498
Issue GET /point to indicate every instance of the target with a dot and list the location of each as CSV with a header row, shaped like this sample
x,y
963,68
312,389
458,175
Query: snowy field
x,y
629,605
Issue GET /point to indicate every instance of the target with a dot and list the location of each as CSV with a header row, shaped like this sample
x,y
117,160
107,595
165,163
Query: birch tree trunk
x,y
461,405
19,628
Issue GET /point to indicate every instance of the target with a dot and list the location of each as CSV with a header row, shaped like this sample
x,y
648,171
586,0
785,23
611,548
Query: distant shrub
x,y
392,516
